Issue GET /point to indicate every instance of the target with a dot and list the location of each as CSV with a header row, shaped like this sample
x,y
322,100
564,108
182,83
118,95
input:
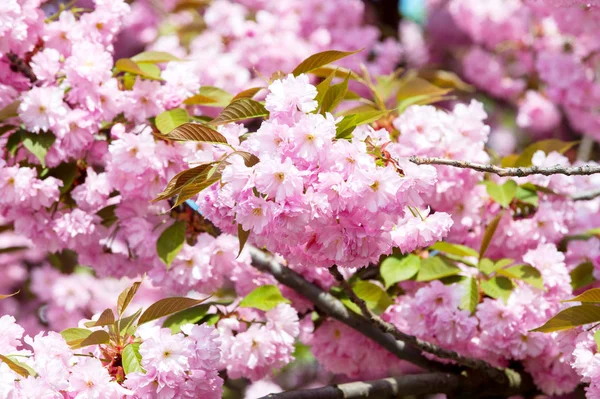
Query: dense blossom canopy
x,y
220,198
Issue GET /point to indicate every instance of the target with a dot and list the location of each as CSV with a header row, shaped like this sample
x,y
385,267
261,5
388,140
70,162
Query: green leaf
x,y
38,144
131,359
239,110
339,72
582,275
435,268
14,140
210,96
99,337
470,299
168,306
242,237
347,125
395,269
126,322
265,297
197,132
130,66
126,297
489,234
527,273
547,146
154,57
334,96
189,316
498,287
75,334
106,318
454,249
65,172
6,129
597,339
14,359
150,70
413,86
169,120
107,215
527,196
374,296
571,317
171,242
321,59
322,88
15,366
589,296
503,194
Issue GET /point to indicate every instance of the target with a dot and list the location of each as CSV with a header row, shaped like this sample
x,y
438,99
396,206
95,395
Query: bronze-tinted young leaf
x,y
132,359
454,249
9,295
99,337
321,59
394,269
170,242
9,250
489,234
197,132
154,57
445,79
323,87
192,189
547,146
334,96
15,366
248,93
239,110
582,275
265,297
106,318
75,334
210,96
435,268
38,145
470,298
167,121
242,237
181,179
130,66
572,317
339,72
126,297
168,306
10,110
589,296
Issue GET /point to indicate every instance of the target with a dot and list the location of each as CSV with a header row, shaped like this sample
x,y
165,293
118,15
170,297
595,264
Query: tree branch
x,y
517,172
418,384
586,195
332,307
497,374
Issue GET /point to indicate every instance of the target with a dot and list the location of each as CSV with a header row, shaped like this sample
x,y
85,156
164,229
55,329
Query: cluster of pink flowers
x,y
539,55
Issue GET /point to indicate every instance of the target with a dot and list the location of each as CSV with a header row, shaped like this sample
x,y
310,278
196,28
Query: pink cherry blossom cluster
x,y
539,55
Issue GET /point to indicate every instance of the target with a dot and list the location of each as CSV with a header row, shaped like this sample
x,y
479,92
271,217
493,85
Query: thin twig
x,y
497,374
405,385
517,172
586,195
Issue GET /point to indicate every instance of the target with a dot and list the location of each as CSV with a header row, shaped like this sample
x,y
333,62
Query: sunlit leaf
x,y
10,110
445,79
130,66
99,337
181,179
171,242
395,269
75,334
334,96
454,249
572,317
265,297
106,318
188,316
597,339
498,287
470,298
126,323
413,86
347,125
168,306
527,273
210,96
239,110
489,234
582,275
192,189
589,296
131,359
503,194
527,196
169,120
435,268
15,360
248,93
38,144
154,57
197,132
321,59
339,72
126,297
374,296
547,146
15,366
323,87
